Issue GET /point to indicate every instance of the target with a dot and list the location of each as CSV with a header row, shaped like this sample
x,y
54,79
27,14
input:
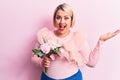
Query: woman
x,y
75,46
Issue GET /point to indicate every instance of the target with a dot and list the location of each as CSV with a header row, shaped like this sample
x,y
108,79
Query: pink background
x,y
21,19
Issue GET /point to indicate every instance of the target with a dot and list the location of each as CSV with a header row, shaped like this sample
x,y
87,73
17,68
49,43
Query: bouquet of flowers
x,y
49,49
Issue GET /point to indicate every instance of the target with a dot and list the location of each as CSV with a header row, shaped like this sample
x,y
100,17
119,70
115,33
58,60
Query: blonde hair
x,y
67,8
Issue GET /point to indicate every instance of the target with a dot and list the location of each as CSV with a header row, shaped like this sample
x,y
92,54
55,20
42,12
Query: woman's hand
x,y
109,35
46,62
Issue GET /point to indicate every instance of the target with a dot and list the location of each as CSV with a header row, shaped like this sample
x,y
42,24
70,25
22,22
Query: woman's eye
x,y
58,17
66,18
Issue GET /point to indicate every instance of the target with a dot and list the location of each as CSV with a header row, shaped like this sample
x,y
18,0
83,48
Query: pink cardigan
x,y
75,45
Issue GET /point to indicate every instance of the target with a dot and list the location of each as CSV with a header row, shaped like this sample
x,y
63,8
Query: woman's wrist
x,y
101,41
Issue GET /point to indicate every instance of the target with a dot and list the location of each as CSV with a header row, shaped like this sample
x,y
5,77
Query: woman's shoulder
x,y
42,30
79,37
80,33
43,33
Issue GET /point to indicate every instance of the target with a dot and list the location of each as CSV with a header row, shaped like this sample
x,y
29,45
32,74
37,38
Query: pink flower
x,y
61,53
45,48
62,50
52,56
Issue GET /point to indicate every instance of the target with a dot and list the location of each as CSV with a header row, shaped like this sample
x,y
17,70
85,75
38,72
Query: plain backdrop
x,y
21,19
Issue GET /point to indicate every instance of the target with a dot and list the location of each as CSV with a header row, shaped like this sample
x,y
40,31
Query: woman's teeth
x,y
62,27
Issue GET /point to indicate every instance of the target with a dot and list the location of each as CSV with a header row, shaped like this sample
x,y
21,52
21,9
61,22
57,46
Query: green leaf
x,y
40,54
56,50
35,51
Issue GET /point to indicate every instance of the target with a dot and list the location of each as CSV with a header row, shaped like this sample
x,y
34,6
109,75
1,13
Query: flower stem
x,y
46,69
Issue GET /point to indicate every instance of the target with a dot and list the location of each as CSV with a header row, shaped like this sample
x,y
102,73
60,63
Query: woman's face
x,y
63,22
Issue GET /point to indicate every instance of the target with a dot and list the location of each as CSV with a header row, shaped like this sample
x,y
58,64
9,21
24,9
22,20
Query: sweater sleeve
x,y
42,33
34,58
91,56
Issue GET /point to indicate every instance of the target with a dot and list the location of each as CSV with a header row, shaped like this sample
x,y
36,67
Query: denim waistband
x,y
76,76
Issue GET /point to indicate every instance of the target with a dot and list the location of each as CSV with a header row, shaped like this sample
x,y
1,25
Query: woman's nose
x,y
62,20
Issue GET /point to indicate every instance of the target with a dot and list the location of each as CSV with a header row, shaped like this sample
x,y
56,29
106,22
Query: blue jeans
x,y
76,76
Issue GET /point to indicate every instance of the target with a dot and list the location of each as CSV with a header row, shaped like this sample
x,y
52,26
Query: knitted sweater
x,y
76,53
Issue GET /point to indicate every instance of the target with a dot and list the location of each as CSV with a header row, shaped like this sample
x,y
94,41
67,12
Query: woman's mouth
x,y
61,28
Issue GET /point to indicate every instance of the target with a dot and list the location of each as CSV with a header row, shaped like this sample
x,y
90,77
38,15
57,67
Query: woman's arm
x,y
41,35
34,58
94,55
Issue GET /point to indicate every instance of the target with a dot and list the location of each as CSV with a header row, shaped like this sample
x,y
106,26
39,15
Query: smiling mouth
x,y
62,27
